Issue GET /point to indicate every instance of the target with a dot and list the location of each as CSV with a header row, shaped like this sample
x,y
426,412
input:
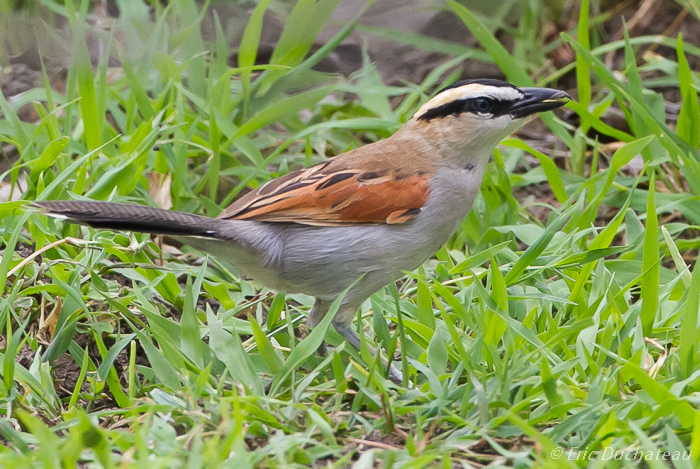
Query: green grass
x,y
529,344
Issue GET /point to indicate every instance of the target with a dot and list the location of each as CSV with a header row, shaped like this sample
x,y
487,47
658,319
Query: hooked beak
x,y
537,100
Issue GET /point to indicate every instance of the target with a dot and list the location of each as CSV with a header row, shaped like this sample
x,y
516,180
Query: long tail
x,y
126,217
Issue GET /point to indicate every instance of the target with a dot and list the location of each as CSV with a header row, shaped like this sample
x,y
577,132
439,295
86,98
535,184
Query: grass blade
x,y
533,252
650,264
267,352
229,349
689,335
689,116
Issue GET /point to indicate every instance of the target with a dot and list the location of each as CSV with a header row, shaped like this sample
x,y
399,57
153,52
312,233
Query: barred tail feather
x,y
127,217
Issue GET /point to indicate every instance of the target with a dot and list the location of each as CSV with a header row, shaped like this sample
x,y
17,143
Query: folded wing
x,y
324,195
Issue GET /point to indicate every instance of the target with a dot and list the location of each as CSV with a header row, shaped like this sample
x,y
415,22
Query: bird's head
x,y
477,114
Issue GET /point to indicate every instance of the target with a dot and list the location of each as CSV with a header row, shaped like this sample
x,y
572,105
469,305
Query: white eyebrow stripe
x,y
472,90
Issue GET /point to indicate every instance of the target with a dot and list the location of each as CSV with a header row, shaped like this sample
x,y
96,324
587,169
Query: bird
x,y
356,222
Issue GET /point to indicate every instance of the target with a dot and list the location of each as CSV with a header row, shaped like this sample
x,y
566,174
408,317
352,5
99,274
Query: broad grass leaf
x,y
548,166
49,155
689,335
583,78
668,402
688,125
437,354
229,349
248,49
114,350
275,311
191,342
280,109
160,365
535,249
424,302
595,122
267,352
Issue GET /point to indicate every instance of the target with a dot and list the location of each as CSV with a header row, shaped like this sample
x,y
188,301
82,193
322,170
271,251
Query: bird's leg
x,y
343,327
318,311
351,336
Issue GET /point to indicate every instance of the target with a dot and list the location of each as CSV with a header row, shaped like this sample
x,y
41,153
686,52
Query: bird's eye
x,y
482,105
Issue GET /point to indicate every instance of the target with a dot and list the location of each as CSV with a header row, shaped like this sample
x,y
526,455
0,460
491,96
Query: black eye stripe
x,y
497,108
